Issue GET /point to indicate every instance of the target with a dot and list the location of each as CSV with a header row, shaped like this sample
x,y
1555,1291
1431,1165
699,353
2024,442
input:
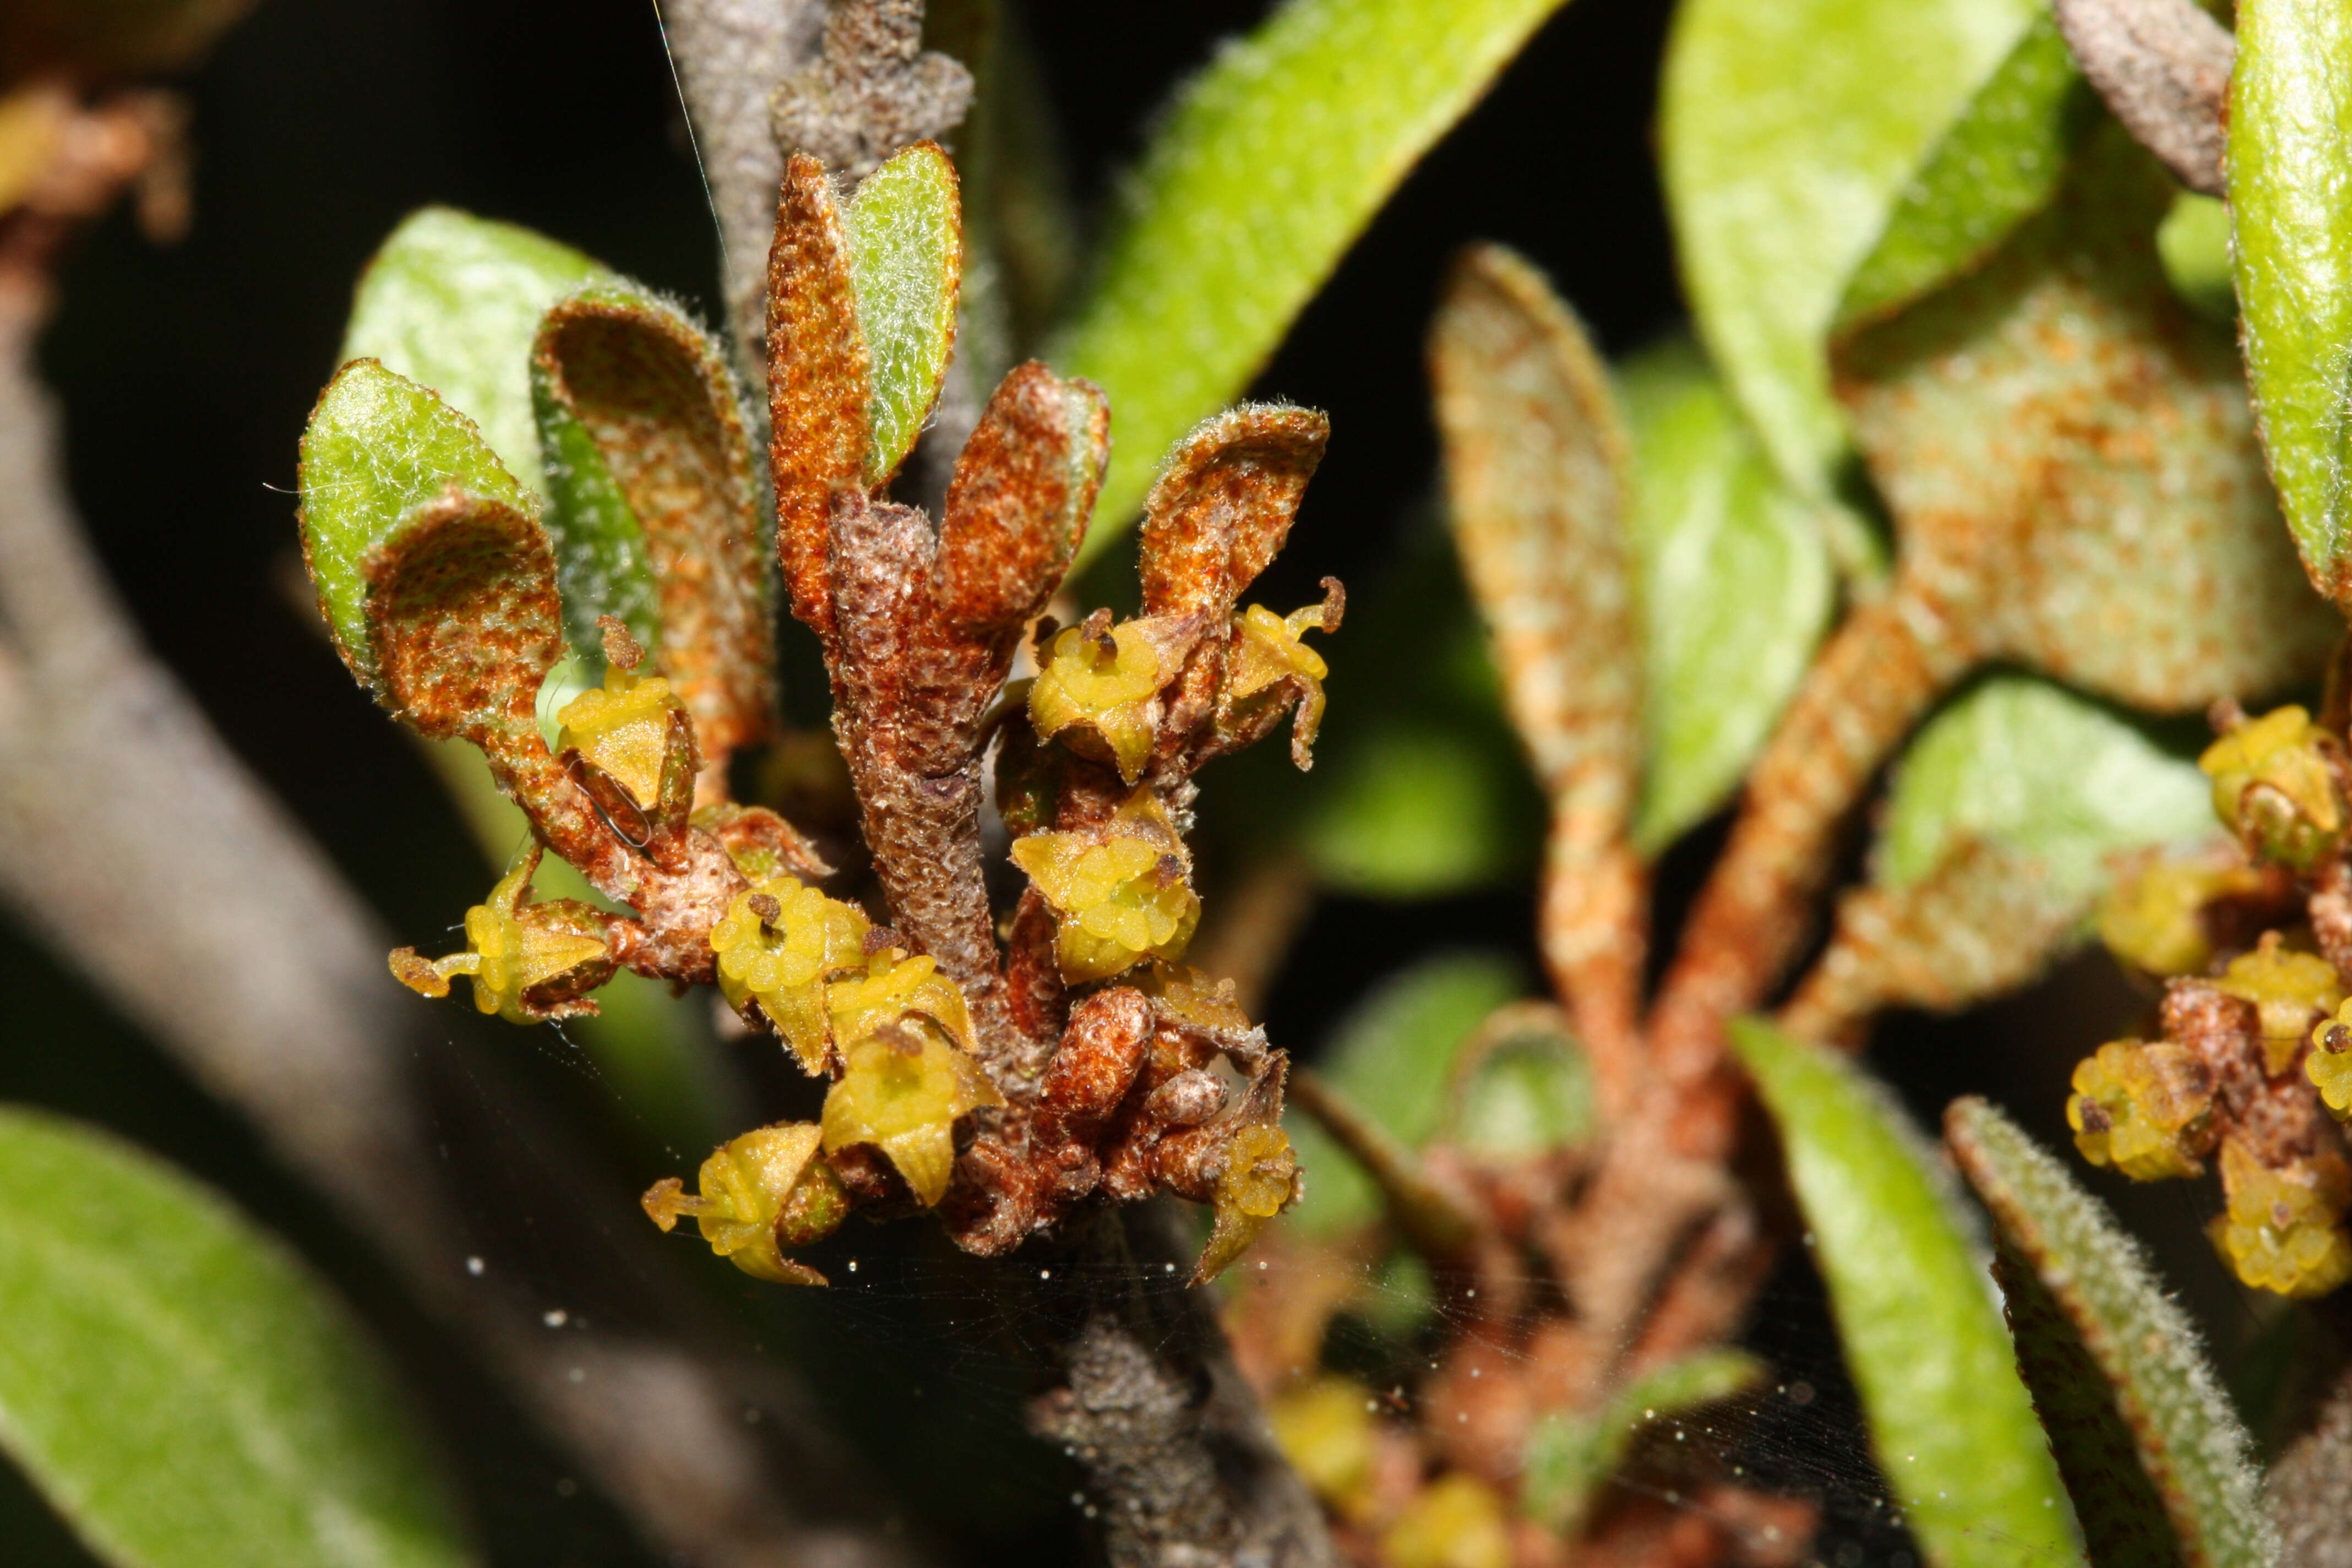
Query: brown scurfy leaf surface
x,y
1539,472
1037,454
1984,921
819,381
873,90
2073,467
657,400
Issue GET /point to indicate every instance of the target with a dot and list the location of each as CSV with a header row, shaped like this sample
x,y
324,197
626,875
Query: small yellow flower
x,y
758,1191
1326,1429
1457,1521
1108,689
1267,651
1260,1172
1120,893
2329,1065
2286,989
2142,1109
2273,786
514,947
2153,918
1194,997
903,1090
2282,1232
893,986
623,730
778,943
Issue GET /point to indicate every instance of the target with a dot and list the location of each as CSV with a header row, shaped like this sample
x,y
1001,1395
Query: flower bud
x,y
2282,1230
2275,786
2153,918
2147,1109
2288,991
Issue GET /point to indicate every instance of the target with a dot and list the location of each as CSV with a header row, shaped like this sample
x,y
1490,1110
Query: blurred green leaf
x,y
1529,1090
454,301
905,232
1393,1056
377,447
2290,158
180,1388
2193,241
2029,766
1995,166
1571,1454
2134,1409
1735,589
1412,811
1951,1423
2071,461
1786,132
1263,172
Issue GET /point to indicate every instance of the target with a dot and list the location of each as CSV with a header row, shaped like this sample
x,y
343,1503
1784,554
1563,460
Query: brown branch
x,y
2163,66
1439,1222
141,852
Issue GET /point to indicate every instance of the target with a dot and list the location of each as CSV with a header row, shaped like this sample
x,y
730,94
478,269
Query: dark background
x,y
187,373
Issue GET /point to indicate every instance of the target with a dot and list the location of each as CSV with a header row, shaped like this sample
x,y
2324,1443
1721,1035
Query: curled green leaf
x,y
453,302
180,1388
1951,1423
1270,164
2126,1391
1571,1454
2290,157
904,228
1999,162
651,471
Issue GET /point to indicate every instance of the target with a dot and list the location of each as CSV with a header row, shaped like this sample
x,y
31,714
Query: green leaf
x,y
1951,1423
180,1388
905,233
666,502
1570,1454
1269,165
377,447
1414,811
2290,157
1997,165
2110,1348
1525,1088
1393,1056
454,301
2010,421
2193,242
2029,766
1735,589
1786,132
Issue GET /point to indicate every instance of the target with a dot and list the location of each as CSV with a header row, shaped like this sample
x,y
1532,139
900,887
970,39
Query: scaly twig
x,y
2163,66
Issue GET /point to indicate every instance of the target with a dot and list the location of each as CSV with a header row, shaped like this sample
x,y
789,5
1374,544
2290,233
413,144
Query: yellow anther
x,y
2142,1109
1457,1521
2287,989
1260,1172
778,943
902,1092
623,730
757,1190
1108,689
1120,893
2282,1230
2274,788
2154,917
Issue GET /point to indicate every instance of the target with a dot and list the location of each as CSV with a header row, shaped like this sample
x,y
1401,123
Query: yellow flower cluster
x,y
2274,788
1120,893
2141,1108
623,730
2153,918
779,943
1085,685
1260,1170
2282,1230
1267,651
760,1193
904,1087
513,947
2286,989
